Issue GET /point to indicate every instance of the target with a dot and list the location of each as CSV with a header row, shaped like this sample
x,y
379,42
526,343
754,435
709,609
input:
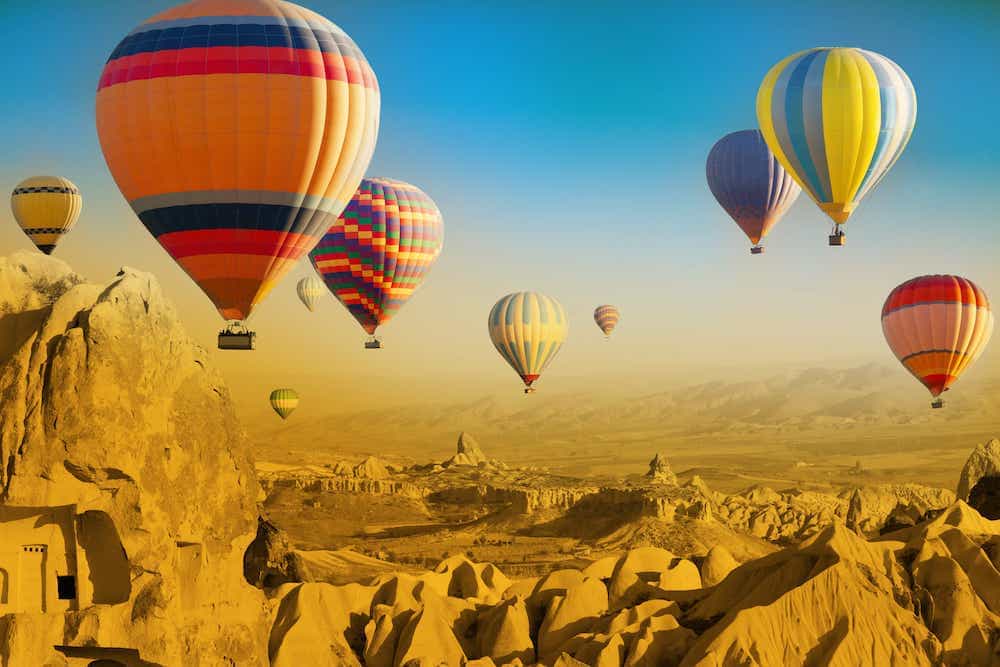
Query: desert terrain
x,y
147,522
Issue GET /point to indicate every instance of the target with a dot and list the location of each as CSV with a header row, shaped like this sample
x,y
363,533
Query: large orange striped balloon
x,y
238,130
937,326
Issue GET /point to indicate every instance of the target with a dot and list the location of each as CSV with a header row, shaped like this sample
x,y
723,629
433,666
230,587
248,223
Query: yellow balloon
x,y
46,208
528,329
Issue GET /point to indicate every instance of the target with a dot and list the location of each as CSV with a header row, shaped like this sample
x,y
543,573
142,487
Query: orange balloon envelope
x,y
238,130
937,326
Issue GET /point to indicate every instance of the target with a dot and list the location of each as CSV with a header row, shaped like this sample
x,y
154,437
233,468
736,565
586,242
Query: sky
x,y
565,146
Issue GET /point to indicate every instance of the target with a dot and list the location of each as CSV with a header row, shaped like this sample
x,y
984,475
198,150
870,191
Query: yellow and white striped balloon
x,y
310,291
528,329
46,208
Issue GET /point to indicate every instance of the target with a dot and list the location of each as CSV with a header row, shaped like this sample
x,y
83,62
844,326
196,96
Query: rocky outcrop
x,y
985,497
925,597
118,435
471,454
335,483
791,516
270,560
526,501
983,462
659,471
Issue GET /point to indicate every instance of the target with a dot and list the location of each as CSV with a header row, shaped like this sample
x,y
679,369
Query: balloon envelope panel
x,y
46,208
749,182
606,318
284,402
528,329
937,326
310,290
238,130
380,250
837,119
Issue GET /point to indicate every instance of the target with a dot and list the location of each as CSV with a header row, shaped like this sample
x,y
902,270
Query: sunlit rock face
x,y
127,496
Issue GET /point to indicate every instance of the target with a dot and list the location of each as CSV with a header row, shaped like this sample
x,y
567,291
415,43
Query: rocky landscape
x,y
135,530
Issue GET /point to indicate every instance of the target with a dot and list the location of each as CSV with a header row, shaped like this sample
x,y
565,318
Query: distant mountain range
x,y
863,397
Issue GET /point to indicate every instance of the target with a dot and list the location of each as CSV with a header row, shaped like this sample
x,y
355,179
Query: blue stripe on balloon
x,y
779,113
812,105
795,118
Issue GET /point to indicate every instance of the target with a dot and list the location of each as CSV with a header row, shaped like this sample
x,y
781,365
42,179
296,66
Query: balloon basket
x,y
237,337
937,403
530,390
757,250
838,239
373,344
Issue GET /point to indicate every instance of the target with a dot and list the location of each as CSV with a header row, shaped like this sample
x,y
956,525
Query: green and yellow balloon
x,y
284,402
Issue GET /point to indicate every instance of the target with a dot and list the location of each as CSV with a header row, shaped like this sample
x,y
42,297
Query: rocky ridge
x,y
924,596
122,462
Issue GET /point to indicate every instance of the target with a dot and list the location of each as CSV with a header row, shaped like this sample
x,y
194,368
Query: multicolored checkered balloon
x,y
380,249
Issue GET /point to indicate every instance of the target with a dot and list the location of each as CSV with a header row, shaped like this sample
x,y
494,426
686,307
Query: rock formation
x,y
659,470
127,497
925,597
469,452
270,560
983,462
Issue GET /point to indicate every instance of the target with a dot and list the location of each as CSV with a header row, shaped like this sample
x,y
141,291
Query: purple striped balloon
x,y
749,183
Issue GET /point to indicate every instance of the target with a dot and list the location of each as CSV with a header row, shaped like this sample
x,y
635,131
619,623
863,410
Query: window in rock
x,y
66,587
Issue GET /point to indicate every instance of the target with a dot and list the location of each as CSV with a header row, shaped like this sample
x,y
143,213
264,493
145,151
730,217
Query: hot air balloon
x,y
750,184
284,402
607,319
380,250
937,326
527,329
837,119
46,208
238,130
310,290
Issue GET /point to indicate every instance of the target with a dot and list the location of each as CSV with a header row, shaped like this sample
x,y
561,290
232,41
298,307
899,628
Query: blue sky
x,y
565,144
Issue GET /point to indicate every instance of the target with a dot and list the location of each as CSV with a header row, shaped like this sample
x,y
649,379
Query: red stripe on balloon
x,y
236,60
236,242
935,289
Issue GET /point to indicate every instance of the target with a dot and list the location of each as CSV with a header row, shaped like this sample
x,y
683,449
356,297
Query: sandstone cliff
x,y
127,496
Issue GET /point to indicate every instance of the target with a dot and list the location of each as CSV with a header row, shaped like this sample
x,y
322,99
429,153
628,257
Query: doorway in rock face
x,y
31,587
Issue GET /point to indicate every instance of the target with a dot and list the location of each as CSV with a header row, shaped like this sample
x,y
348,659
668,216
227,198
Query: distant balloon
x,y
238,130
380,249
837,119
528,329
750,184
937,326
46,208
284,402
607,318
310,290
